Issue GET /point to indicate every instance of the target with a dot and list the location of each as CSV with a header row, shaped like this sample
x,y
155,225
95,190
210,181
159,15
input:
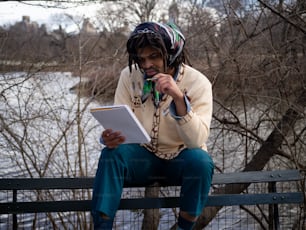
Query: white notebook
x,y
121,118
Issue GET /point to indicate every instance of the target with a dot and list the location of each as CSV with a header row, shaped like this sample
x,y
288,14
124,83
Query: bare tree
x,y
255,70
45,130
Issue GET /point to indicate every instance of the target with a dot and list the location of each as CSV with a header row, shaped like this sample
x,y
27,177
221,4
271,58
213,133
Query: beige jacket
x,y
191,131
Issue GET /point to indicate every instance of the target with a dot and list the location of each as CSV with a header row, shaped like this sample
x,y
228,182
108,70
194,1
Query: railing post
x,y
273,208
14,214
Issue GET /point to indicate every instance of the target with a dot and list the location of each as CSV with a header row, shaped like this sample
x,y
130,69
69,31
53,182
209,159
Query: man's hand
x,y
166,84
112,139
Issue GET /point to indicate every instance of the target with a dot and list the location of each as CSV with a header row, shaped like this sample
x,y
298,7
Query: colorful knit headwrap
x,y
172,37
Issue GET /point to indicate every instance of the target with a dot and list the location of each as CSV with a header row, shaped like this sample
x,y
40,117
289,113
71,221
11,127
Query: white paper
x,y
121,118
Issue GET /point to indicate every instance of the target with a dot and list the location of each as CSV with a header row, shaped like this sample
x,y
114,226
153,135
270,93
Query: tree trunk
x,y
261,158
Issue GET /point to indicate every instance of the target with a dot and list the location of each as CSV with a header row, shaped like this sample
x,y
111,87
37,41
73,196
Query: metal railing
x,y
17,205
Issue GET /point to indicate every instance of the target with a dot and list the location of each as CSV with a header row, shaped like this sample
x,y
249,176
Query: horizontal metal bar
x,y
45,206
151,203
87,182
258,177
46,183
216,200
254,199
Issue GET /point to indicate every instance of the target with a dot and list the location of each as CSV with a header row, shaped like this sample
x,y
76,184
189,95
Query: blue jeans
x,y
132,163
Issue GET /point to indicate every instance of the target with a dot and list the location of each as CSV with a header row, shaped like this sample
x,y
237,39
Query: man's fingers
x,y
113,139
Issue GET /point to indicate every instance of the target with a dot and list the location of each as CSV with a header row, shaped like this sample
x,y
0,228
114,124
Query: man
x,y
173,101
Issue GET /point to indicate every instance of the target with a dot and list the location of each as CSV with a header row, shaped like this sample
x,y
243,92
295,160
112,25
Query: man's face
x,y
150,61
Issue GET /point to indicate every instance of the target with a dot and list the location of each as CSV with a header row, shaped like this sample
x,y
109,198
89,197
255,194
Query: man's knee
x,y
199,160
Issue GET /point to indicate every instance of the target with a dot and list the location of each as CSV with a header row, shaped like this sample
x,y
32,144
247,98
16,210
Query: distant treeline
x,y
24,44
242,56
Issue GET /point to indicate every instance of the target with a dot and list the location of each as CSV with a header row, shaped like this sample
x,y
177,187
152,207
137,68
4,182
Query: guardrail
x,y
272,197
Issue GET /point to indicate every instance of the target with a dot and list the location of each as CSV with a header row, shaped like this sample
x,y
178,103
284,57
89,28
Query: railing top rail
x,y
87,182
46,183
257,176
